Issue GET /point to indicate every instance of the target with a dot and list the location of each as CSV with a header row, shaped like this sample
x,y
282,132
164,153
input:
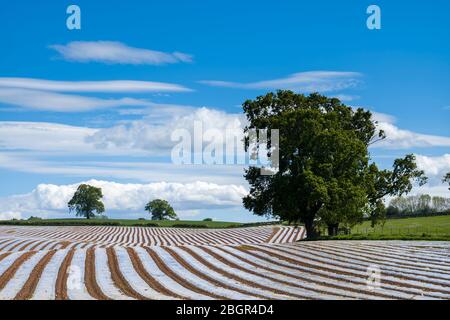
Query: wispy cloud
x,y
46,95
146,171
91,86
311,81
397,138
383,117
346,97
57,102
116,52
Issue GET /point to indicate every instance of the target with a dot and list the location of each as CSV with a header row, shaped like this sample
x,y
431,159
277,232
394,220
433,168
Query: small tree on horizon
x,y
86,200
160,210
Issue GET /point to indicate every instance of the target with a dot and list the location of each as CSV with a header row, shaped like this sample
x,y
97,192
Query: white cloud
x,y
188,213
50,199
112,86
111,52
434,166
8,215
383,117
397,138
139,170
311,81
57,102
146,135
45,137
432,190
346,97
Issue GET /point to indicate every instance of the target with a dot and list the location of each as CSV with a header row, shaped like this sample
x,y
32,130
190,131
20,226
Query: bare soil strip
x,y
218,270
118,278
404,276
274,232
363,262
305,279
216,282
61,280
4,255
154,284
233,265
36,245
17,244
11,271
89,277
348,273
396,259
30,285
163,267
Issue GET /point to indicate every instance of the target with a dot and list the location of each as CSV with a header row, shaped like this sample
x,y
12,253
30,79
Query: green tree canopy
x,y
86,200
160,210
324,170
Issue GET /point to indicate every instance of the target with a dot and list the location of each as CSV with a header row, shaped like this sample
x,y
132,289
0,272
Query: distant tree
x,y
440,204
208,219
418,204
86,201
160,210
447,179
324,172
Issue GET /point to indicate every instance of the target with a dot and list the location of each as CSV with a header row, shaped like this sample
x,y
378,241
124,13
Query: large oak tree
x,y
325,173
160,210
86,201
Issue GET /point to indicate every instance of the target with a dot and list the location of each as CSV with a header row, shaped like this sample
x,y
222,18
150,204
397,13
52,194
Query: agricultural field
x,y
426,228
264,262
122,222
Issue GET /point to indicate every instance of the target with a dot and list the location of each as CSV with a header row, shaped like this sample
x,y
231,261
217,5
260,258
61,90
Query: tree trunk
x,y
333,229
310,230
88,216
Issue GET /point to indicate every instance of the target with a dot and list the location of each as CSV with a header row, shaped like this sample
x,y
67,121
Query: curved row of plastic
x,y
305,270
48,238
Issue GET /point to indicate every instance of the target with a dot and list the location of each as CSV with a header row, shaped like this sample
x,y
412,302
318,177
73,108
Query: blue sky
x,y
52,139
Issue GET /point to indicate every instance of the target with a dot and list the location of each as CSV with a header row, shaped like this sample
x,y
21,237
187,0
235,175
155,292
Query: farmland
x,y
264,262
419,228
122,222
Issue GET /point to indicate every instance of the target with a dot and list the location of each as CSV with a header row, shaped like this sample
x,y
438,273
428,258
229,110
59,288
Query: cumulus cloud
x,y
50,199
311,81
435,167
145,134
112,86
112,52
